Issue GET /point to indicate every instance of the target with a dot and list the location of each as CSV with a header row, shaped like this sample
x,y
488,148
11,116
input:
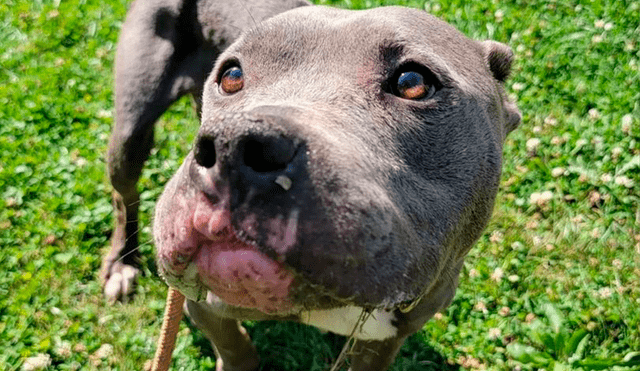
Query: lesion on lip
x,y
188,282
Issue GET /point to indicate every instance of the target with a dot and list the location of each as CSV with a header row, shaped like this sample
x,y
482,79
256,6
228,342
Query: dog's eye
x,y
232,80
412,85
412,81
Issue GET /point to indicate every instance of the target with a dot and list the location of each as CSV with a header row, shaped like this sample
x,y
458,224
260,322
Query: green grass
x,y
576,250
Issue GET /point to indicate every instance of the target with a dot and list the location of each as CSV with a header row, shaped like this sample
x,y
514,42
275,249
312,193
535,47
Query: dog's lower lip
x,y
238,273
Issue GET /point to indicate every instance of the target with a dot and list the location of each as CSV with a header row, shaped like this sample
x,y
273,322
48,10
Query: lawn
x,y
553,284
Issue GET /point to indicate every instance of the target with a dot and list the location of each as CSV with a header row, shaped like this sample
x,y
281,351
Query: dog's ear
x,y
499,58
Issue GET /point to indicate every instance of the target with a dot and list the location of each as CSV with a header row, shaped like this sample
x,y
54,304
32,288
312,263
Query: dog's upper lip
x,y
211,219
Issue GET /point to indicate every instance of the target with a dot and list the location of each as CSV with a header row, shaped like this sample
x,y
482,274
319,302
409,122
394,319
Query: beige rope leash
x,y
170,326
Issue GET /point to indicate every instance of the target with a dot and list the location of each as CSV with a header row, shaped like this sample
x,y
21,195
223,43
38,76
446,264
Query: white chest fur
x,y
377,326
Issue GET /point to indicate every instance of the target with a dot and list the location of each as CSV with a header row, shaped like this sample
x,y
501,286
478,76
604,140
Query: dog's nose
x,y
251,156
264,155
259,154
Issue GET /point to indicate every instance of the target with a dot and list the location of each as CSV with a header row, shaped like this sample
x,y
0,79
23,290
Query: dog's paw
x,y
120,282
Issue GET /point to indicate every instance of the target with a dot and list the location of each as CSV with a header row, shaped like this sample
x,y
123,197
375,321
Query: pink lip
x,y
231,269
243,276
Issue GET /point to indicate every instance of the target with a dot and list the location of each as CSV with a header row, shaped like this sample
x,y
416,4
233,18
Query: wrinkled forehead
x,y
334,39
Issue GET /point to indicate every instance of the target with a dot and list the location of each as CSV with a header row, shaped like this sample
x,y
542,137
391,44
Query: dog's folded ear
x,y
499,58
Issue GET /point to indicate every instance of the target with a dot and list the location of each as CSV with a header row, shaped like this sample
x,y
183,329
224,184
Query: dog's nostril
x,y
205,152
268,154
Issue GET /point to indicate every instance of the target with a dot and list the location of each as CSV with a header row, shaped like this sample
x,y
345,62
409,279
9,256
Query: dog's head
x,y
343,157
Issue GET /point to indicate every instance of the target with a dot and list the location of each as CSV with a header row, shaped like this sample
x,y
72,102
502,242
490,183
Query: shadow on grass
x,y
288,346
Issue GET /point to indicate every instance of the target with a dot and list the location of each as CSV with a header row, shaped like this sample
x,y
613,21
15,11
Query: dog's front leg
x,y
374,355
233,347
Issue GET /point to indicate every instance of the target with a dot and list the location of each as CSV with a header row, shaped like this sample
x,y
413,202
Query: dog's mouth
x,y
243,276
204,252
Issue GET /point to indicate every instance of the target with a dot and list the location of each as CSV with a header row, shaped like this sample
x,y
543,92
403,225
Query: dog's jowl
x,y
346,163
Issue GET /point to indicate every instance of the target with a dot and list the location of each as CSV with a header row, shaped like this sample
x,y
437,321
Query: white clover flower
x,y
63,349
557,172
104,351
594,114
599,23
517,86
597,140
606,177
533,144
529,317
537,241
494,333
80,348
480,307
81,162
540,199
624,181
531,224
605,292
617,263
497,274
616,152
496,237
626,123
103,113
551,121
557,141
608,26
583,178
38,362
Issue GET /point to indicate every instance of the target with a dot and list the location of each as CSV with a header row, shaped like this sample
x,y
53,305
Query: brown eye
x,y
232,80
411,85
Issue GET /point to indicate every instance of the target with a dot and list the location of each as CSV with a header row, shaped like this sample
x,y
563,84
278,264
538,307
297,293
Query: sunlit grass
x,y
566,229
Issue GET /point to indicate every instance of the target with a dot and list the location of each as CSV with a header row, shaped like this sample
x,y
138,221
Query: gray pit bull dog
x,y
346,163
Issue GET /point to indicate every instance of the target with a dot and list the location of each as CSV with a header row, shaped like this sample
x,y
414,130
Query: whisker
x,y
127,254
141,244
134,203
